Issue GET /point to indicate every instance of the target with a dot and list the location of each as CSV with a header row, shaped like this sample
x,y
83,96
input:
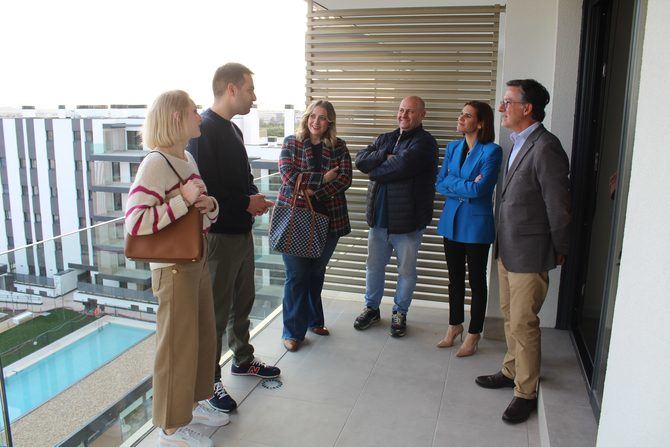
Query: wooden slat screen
x,y
365,61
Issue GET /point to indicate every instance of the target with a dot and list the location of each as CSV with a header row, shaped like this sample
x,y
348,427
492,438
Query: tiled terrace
x,y
368,389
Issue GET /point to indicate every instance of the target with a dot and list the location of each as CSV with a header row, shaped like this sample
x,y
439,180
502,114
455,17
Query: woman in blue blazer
x,y
467,178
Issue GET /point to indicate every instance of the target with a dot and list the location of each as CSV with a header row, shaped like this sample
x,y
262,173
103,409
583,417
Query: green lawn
x,y
43,329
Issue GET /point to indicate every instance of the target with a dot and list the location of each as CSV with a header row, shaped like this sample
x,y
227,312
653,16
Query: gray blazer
x,y
534,214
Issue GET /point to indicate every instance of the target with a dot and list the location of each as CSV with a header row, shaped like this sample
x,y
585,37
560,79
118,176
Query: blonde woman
x,y
325,165
185,332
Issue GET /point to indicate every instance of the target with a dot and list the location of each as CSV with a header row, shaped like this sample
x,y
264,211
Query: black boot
x,y
497,380
519,410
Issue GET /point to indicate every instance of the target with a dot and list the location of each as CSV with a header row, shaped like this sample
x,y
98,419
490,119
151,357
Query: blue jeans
x,y
380,247
302,306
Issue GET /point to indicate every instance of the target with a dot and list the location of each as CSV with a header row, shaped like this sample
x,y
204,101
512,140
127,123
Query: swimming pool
x,y
31,387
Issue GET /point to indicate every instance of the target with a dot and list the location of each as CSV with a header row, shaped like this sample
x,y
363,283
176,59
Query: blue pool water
x,y
42,380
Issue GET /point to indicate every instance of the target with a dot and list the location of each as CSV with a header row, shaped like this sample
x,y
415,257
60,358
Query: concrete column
x,y
289,120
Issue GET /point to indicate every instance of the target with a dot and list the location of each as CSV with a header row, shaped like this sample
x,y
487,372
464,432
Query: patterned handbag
x,y
298,231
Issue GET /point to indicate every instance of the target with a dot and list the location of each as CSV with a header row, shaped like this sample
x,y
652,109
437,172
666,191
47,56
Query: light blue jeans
x,y
380,247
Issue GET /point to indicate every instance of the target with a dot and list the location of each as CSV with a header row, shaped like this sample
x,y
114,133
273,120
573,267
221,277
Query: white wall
x,y
67,189
636,402
44,205
549,31
14,184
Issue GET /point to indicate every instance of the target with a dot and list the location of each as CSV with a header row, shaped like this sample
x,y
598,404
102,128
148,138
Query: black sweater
x,y
224,167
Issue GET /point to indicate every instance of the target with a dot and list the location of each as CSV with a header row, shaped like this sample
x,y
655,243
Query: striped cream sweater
x,y
154,199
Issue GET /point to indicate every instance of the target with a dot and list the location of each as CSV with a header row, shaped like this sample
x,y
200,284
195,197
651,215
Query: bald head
x,y
411,113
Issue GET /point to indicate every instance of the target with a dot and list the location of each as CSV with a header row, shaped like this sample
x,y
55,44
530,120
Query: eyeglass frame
x,y
506,103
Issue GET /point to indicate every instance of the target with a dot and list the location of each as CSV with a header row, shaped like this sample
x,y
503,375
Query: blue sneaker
x,y
256,368
221,400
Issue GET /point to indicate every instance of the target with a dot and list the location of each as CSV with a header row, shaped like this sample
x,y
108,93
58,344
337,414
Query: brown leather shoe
x,y
497,380
519,410
291,345
320,330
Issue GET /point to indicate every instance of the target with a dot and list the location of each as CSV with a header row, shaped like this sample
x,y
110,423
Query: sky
x,y
76,52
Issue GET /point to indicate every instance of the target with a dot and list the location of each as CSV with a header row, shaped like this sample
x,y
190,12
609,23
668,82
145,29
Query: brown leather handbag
x,y
179,242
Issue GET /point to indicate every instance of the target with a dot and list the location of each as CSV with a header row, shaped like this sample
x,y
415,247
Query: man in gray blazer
x,y
532,238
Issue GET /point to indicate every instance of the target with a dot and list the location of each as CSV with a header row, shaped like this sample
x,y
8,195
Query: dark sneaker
x,y
367,318
398,324
221,400
256,368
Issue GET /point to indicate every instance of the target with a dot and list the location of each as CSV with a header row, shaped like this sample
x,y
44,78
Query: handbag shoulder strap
x,y
181,180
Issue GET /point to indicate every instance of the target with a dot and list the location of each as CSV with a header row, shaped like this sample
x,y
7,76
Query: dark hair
x,y
533,93
484,116
231,72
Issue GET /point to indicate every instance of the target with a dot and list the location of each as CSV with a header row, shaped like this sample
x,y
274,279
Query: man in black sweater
x,y
224,167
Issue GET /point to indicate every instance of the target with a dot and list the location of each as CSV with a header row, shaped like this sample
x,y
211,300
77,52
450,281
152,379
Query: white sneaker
x,y
206,415
184,437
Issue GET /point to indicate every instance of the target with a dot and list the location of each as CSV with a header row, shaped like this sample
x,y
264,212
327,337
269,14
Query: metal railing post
x,y
5,408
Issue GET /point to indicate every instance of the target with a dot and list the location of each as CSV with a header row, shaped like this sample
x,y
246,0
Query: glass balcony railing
x,y
77,341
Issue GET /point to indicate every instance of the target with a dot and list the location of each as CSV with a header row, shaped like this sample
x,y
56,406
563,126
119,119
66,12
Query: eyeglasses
x,y
505,104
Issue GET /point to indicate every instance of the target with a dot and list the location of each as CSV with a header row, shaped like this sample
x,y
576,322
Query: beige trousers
x,y
521,297
186,342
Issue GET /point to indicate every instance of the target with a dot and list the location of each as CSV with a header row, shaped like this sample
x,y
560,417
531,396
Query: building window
x,y
88,135
77,135
82,222
38,217
36,190
77,165
52,164
29,240
133,170
2,162
10,242
133,140
80,194
24,190
116,171
56,218
26,216
8,215
33,163
118,203
22,163
50,135
54,191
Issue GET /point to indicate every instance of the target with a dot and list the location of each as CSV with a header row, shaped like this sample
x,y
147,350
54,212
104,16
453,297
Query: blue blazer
x,y
468,210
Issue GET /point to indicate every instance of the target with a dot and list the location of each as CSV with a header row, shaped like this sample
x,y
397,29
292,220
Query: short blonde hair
x,y
162,128
329,138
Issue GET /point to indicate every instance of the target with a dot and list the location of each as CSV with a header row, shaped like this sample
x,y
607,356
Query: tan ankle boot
x,y
452,333
469,346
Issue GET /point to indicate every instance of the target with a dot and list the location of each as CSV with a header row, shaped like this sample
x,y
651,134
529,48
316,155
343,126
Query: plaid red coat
x,y
296,157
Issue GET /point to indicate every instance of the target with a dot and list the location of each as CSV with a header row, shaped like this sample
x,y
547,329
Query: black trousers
x,y
477,256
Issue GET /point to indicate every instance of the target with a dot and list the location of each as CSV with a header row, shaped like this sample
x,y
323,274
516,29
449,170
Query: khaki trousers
x,y
186,344
521,297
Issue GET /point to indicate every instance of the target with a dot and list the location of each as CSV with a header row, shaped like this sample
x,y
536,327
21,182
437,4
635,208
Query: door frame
x,y
582,167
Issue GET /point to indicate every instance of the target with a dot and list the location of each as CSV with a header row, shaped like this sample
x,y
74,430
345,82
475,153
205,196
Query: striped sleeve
x,y
147,209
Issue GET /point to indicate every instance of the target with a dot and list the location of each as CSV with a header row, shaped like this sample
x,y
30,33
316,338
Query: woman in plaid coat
x,y
324,162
